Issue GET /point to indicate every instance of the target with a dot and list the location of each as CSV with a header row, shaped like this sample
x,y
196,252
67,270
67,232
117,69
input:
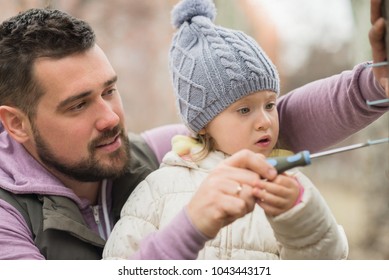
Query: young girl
x,y
226,90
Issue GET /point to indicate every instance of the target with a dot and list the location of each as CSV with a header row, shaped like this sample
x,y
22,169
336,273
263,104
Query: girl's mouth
x,y
264,142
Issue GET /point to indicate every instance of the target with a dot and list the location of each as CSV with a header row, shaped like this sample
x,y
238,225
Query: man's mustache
x,y
107,134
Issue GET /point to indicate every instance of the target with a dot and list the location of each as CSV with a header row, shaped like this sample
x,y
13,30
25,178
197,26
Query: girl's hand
x,y
277,196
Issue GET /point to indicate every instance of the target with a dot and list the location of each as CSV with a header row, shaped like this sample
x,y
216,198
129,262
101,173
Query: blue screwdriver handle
x,y
282,164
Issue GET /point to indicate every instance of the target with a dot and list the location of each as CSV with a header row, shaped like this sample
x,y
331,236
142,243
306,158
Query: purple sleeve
x,y
159,139
327,111
312,117
15,237
179,240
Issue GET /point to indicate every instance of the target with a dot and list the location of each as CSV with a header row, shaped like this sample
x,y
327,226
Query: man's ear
x,y
16,123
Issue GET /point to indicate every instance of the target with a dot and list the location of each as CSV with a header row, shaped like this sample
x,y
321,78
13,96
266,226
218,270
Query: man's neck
x,y
89,190
84,190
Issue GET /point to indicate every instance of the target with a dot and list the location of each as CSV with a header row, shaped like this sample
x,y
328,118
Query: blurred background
x,y
306,39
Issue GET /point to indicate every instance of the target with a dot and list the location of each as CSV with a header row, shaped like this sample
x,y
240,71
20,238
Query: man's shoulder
x,y
141,153
25,204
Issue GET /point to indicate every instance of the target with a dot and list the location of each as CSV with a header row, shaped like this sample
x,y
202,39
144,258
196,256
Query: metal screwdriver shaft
x,y
304,158
349,148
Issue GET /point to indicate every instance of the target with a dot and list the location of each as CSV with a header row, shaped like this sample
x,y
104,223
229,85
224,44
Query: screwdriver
x,y
304,158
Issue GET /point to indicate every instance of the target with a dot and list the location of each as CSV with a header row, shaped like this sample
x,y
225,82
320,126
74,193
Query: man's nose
x,y
107,117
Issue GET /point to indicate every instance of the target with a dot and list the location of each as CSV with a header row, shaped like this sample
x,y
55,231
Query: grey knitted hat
x,y
211,66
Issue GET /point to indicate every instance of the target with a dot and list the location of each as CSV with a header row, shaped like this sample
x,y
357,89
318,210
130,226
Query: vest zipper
x,y
96,215
106,215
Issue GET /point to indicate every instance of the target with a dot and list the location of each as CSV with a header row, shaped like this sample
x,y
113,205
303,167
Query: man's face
x,y
79,128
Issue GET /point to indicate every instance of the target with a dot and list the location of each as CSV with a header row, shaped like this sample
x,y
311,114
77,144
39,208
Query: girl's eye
x,y
270,106
244,111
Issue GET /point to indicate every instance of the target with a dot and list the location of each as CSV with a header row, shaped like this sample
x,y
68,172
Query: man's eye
x,y
109,92
78,106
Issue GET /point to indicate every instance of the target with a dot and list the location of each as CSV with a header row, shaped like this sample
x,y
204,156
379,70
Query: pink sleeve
x,y
15,237
159,139
327,111
179,240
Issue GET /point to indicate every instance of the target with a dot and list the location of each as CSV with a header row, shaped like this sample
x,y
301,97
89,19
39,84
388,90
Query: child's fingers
x,y
278,196
269,198
270,209
283,186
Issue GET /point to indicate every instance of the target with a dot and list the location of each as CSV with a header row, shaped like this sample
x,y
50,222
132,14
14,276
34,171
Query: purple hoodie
x,y
20,173
323,101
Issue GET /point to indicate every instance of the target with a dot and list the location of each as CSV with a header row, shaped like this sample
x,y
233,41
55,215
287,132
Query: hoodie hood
x,y
20,173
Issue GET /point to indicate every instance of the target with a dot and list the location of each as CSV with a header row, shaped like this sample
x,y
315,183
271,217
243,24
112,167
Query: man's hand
x,y
378,44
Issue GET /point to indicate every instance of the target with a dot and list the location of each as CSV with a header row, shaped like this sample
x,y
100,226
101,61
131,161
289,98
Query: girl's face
x,y
249,123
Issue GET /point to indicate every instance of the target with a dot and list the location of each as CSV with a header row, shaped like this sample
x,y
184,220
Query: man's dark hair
x,y
30,35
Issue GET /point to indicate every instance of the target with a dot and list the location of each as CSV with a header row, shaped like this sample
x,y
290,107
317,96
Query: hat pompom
x,y
187,9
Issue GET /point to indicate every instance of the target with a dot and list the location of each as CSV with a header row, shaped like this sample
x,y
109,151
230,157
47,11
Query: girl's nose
x,y
263,121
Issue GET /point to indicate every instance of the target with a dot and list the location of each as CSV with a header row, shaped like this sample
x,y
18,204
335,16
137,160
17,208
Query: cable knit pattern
x,y
221,49
211,66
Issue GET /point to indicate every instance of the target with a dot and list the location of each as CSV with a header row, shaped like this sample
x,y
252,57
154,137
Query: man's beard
x,y
88,169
